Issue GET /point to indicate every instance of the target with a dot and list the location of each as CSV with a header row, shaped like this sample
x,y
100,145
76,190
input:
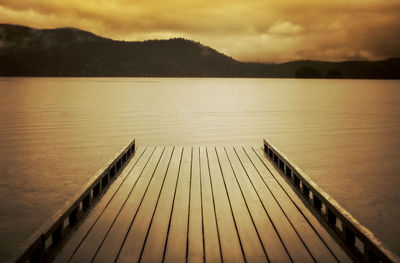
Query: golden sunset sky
x,y
248,30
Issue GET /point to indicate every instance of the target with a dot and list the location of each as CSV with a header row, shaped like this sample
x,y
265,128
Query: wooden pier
x,y
203,204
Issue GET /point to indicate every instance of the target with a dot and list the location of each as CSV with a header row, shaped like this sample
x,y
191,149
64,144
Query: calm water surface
x,y
57,132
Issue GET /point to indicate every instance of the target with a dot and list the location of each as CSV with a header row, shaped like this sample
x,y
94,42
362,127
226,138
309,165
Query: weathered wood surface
x,y
200,204
42,245
359,242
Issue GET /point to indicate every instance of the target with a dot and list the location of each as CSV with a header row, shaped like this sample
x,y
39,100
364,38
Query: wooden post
x,y
73,217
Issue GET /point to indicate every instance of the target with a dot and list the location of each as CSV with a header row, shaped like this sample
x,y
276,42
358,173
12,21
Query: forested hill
x,y
26,51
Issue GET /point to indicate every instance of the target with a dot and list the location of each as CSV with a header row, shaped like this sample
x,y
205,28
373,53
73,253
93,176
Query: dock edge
x,y
358,241
43,243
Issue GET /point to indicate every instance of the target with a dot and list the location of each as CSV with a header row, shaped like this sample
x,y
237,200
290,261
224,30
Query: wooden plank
x,y
270,239
137,233
200,205
293,244
157,237
312,241
212,250
175,250
90,245
327,238
195,243
76,237
229,239
251,244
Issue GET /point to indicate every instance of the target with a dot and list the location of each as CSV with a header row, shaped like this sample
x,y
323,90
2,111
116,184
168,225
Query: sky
x,y
271,31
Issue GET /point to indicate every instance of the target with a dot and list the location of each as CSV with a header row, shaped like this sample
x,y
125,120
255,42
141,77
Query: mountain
x,y
26,51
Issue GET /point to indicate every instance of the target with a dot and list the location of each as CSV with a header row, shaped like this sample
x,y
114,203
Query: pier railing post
x,y
356,239
42,245
331,218
73,217
86,202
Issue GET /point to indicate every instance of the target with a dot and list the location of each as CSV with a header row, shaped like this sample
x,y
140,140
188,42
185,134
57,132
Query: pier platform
x,y
203,204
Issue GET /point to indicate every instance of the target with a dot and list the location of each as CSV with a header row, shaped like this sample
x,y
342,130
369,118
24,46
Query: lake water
x,y
55,133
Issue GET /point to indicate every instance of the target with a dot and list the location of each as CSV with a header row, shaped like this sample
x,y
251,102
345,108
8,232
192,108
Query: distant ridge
x,y
26,51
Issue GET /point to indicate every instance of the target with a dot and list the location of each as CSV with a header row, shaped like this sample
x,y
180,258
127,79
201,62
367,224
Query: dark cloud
x,y
252,30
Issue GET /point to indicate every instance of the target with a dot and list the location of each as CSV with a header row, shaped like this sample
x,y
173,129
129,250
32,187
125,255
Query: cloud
x,y
248,30
285,28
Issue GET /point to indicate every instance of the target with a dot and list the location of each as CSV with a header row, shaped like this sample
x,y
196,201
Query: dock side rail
x,y
41,246
359,242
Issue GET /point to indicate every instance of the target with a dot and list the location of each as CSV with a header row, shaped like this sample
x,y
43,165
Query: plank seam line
x,y
173,204
202,212
123,205
230,205
265,209
290,222
109,201
155,208
215,213
247,206
190,194
141,201
298,208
